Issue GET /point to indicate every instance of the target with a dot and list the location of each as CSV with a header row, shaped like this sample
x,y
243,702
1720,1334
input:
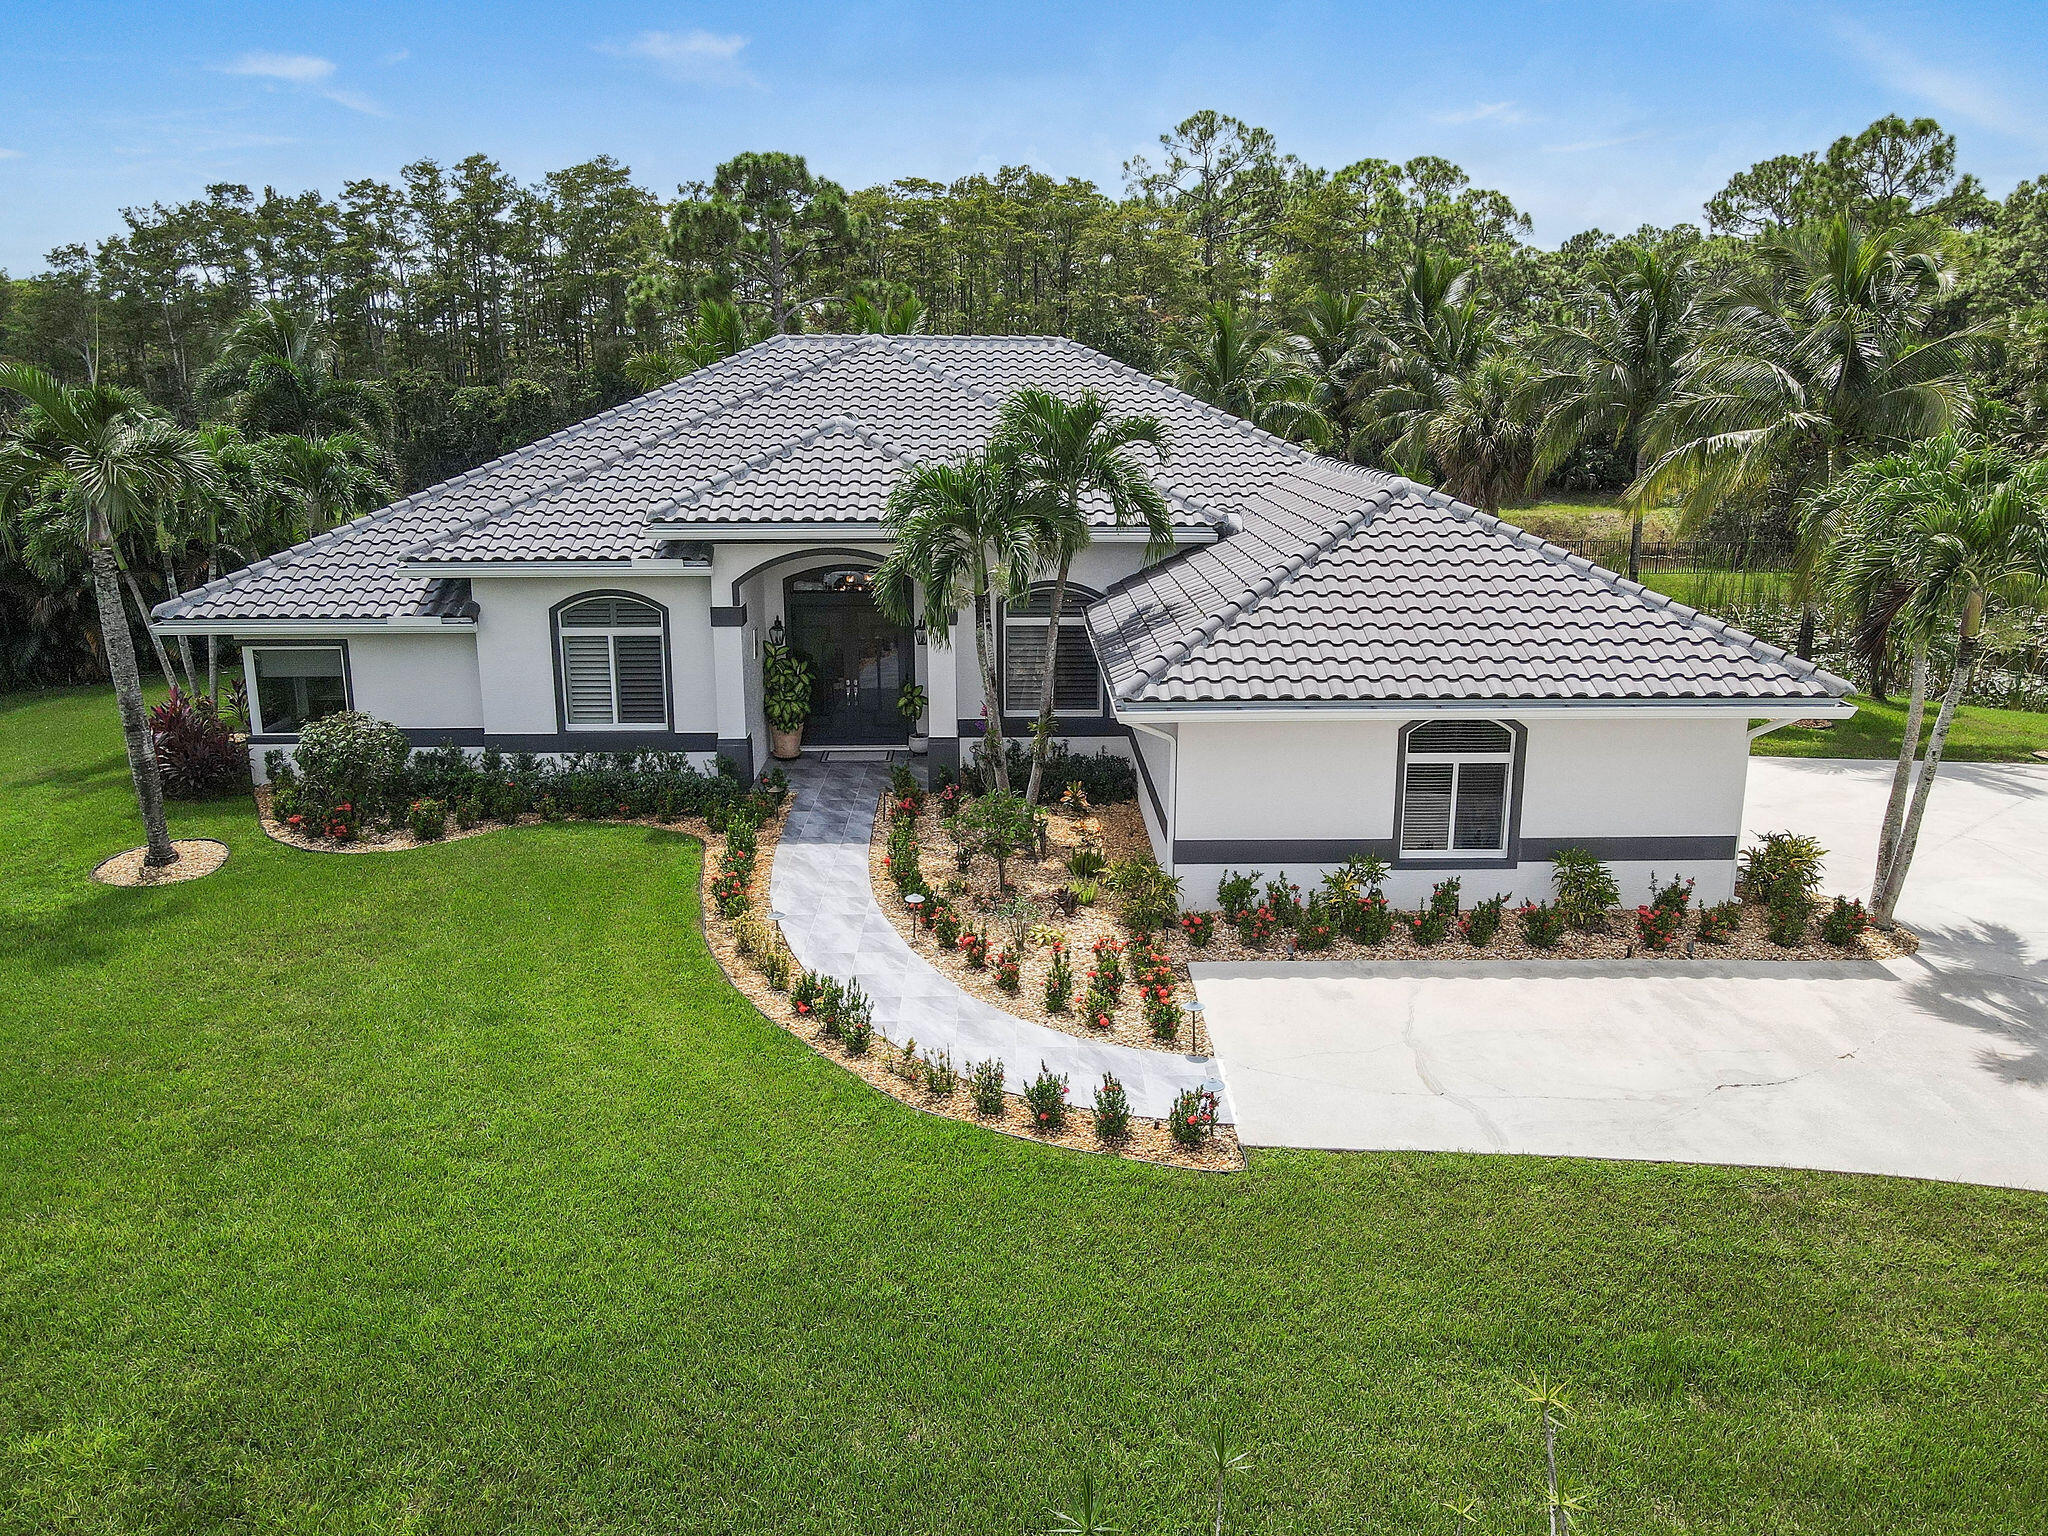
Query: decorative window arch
x,y
1077,689
1457,780
611,655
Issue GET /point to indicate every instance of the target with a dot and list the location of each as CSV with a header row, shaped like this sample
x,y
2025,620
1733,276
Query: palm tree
x,y
325,480
1616,362
1932,534
1437,332
904,316
1483,439
965,535
1334,334
718,331
105,450
275,374
1240,364
1060,451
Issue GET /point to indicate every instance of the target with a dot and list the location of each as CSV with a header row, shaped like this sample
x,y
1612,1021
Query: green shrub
x,y
427,821
1721,922
1046,1097
1193,1118
940,1075
856,1020
1107,971
1112,1112
1360,875
985,1087
1482,924
1429,927
354,758
1843,922
1009,970
1543,924
1369,919
1780,860
1098,1007
1235,894
1059,979
1586,890
1162,1010
1786,916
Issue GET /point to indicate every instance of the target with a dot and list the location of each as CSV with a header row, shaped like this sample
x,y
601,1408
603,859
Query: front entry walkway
x,y
822,894
1934,1066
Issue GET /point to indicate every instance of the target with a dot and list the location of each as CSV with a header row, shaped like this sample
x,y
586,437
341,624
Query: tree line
x,y
333,352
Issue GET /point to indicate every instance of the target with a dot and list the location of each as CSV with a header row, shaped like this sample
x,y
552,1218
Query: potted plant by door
x,y
910,705
786,698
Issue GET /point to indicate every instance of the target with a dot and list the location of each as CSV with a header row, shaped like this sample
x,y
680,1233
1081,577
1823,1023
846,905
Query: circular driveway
x,y
1934,1066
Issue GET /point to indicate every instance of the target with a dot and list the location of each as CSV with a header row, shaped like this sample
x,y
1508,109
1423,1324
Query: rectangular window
x,y
610,680
296,685
1077,683
1454,792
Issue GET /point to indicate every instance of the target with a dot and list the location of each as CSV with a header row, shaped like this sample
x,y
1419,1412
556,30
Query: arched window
x,y
614,664
1077,683
1454,789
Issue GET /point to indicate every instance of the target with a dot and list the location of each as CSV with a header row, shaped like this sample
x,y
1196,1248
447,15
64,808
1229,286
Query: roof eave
x,y
1825,707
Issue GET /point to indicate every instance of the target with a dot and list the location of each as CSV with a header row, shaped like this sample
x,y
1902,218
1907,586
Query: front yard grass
x,y
1979,735
455,1190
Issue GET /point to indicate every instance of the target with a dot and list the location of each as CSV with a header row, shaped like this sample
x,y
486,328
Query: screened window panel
x,y
642,699
1460,736
1482,806
587,679
1077,683
1426,808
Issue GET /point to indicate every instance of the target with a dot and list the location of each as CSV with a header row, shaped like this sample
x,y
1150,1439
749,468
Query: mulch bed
x,y
1149,1140
1122,832
197,856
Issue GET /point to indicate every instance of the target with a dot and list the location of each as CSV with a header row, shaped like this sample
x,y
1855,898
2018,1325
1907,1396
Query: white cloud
x,y
699,57
1953,92
396,56
302,69
298,68
11,154
1505,112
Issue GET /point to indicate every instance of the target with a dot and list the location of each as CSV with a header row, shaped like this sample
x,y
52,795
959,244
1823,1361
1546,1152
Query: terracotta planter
x,y
786,745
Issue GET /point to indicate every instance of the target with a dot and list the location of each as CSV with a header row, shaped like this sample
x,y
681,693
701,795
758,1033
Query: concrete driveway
x,y
1935,1067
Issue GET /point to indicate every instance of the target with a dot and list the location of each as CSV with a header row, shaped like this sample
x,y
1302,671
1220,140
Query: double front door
x,y
859,660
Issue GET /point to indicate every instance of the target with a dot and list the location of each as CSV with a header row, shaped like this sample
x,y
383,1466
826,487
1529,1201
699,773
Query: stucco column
x,y
941,677
729,676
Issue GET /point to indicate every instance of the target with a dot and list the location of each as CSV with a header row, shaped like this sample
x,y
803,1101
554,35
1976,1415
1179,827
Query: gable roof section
x,y
1351,587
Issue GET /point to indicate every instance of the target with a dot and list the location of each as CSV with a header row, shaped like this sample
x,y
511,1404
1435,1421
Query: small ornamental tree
x,y
999,824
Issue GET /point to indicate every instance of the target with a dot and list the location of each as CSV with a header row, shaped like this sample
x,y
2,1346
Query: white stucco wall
x,y
422,681
515,646
1583,780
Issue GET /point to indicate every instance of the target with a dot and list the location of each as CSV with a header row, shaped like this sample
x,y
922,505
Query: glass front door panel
x,y
859,662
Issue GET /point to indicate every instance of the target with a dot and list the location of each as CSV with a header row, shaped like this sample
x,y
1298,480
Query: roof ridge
x,y
785,449
1267,582
355,526
1713,628
606,460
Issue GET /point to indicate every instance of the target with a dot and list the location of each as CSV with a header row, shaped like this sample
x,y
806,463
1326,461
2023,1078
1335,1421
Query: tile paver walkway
x,y
833,924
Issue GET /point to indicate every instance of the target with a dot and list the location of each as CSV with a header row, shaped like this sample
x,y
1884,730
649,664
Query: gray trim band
x,y
1018,727
740,749
1534,850
729,618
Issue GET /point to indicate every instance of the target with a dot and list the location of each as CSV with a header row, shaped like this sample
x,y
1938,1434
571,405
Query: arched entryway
x,y
859,659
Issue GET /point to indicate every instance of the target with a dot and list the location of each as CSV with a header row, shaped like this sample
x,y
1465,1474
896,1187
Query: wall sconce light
x,y
775,633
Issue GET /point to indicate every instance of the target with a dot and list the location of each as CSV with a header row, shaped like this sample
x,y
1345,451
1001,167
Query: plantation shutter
x,y
1426,808
642,698
587,678
1482,800
1077,681
1023,666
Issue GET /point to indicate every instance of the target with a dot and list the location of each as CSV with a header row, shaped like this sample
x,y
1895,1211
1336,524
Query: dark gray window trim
x,y
1512,857
1062,725
1104,712
348,676
668,672
729,618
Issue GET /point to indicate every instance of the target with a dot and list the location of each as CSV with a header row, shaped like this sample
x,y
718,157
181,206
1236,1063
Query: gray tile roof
x,y
1347,585
1338,583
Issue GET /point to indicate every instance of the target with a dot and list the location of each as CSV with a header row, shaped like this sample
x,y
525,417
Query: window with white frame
x,y
1454,788
1077,682
296,685
614,672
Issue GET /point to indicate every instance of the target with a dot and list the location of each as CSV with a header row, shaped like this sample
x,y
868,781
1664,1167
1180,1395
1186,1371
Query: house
x,y
1331,661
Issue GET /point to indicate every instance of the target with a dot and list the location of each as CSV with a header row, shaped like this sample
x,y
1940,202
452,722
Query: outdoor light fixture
x,y
775,633
1194,1027
913,901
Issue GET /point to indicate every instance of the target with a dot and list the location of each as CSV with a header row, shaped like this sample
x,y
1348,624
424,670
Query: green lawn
x,y
1979,735
455,1191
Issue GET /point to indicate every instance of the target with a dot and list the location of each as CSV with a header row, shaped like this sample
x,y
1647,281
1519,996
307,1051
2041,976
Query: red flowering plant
x,y
1658,926
974,945
344,824
1098,1008
729,893
1162,1010
943,921
1200,927
1193,1118
1108,970
1010,971
1046,1098
1316,926
1256,925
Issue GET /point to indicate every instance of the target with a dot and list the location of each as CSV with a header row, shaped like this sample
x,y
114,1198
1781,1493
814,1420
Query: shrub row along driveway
x,y
1934,1066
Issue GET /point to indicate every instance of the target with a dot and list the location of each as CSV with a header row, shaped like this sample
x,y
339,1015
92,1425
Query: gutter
x,y
321,629
1579,709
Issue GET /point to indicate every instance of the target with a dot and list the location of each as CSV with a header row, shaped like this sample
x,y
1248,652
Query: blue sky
x,y
1605,112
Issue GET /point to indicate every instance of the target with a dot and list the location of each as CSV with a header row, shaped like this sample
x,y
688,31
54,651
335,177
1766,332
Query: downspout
x,y
1772,725
1171,814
